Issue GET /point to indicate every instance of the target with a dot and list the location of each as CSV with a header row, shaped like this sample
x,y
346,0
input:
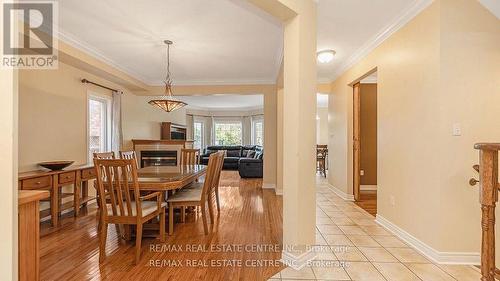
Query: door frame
x,y
356,153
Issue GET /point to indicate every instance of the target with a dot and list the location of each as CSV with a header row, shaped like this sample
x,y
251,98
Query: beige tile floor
x,y
352,246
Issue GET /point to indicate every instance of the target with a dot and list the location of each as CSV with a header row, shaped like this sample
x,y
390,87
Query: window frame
x,y
256,120
228,121
202,141
107,101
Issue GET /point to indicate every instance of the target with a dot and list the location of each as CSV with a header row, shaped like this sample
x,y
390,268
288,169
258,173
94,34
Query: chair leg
x,y
211,209
217,198
162,225
183,214
204,218
102,242
170,219
138,240
98,218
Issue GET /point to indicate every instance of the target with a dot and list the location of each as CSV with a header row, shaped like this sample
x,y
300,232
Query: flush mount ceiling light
x,y
167,102
326,56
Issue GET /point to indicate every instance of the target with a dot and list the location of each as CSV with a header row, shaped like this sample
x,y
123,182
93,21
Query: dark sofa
x,y
249,165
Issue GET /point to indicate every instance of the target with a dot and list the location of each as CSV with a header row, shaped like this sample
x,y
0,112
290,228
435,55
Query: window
x,y
198,135
99,125
228,133
258,132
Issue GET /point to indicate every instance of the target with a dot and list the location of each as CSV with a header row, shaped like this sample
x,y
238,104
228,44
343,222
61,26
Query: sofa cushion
x,y
231,159
233,153
209,151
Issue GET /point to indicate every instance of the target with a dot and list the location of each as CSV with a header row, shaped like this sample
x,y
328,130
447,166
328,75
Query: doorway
x,y
365,143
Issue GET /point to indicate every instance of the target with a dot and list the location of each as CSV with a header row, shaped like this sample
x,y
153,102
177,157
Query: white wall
x,y
322,125
441,68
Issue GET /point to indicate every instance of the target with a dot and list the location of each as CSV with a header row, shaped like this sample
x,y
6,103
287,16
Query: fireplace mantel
x,y
184,143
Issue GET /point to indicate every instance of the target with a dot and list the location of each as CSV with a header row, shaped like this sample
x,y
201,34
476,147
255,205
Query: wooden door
x,y
356,140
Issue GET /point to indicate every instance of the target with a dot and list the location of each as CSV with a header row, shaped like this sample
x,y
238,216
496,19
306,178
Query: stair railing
x,y
488,196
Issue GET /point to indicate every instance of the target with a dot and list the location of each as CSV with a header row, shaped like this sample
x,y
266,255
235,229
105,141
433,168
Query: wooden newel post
x,y
488,196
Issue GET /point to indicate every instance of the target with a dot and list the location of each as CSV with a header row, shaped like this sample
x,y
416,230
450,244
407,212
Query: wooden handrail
x,y
488,196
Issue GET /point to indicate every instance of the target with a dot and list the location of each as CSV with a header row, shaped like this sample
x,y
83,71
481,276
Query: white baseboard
x,y
341,194
472,258
297,262
368,187
278,192
269,186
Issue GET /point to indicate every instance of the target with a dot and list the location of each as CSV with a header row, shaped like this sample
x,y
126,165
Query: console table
x,y
53,181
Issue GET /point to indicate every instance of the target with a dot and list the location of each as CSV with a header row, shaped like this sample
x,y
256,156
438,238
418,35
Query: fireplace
x,y
158,158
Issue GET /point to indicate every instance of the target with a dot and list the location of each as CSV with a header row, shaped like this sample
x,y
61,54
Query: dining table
x,y
166,178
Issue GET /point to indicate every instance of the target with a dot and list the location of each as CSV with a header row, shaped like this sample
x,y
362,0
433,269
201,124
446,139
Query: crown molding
x,y
75,43
191,109
217,82
406,16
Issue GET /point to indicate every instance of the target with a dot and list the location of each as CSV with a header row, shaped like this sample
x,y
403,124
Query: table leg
x,y
54,202
85,191
76,194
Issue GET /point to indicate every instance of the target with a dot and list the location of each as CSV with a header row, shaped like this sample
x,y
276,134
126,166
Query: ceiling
x,y
241,45
493,6
224,102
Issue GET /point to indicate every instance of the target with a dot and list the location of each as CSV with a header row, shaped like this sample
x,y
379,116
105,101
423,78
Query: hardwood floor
x,y
368,201
250,216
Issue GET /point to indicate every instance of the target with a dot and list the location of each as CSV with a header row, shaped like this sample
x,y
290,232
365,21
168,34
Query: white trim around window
x,y
105,101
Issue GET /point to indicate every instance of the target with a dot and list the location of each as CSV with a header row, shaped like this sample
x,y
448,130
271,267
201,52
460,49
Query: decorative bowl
x,y
56,165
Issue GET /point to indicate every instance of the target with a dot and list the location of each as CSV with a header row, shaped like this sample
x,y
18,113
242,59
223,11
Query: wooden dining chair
x,y
127,154
197,197
104,155
190,156
118,177
321,158
101,155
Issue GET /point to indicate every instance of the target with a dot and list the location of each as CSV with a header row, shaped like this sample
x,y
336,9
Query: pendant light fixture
x,y
167,102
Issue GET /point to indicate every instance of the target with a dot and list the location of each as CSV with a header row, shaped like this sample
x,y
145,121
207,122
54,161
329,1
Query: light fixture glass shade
x,y
168,103
326,56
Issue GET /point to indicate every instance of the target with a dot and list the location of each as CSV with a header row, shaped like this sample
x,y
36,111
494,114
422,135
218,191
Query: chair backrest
x,y
214,165
189,156
118,177
104,155
220,164
321,150
128,154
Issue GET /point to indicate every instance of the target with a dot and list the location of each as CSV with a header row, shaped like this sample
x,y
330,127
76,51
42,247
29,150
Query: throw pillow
x,y
250,153
225,152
